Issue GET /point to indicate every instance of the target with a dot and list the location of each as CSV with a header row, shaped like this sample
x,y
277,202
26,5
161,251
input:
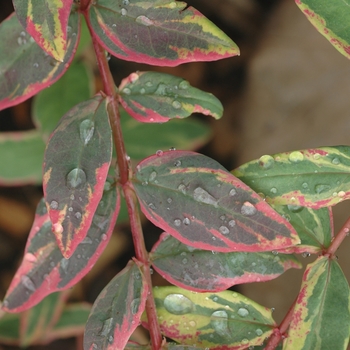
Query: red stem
x,y
339,238
129,193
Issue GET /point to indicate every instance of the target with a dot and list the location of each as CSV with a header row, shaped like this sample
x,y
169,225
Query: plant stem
x,y
142,255
339,238
129,193
281,330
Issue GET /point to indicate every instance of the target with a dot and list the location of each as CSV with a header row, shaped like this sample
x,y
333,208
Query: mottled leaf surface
x,y
331,19
44,270
152,97
76,164
52,103
158,32
203,270
196,200
314,227
21,158
9,329
25,69
225,320
185,134
321,315
313,178
117,310
46,21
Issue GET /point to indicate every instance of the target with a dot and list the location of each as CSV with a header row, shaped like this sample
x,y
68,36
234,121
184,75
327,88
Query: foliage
x,y
220,228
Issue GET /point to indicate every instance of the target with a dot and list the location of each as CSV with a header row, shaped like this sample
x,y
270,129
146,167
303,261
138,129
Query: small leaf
x,y
200,203
25,68
23,154
47,22
203,270
9,329
314,227
152,97
52,103
185,134
44,270
117,310
76,164
321,315
313,178
225,320
331,20
158,32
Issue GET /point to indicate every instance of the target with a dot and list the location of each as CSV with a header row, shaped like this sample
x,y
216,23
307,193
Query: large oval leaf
x,y
76,165
203,270
225,320
158,32
44,270
25,68
46,21
312,178
321,315
196,200
117,310
152,97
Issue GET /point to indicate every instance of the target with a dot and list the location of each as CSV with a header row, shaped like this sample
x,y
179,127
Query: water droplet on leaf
x,y
107,327
54,205
322,188
28,283
144,20
201,195
232,192
86,129
232,223
218,320
336,161
76,178
152,176
224,230
159,153
258,332
126,91
178,304
295,208
273,190
77,215
177,222
176,104
248,209
123,12
184,85
243,312
177,163
266,162
186,221
135,305
296,157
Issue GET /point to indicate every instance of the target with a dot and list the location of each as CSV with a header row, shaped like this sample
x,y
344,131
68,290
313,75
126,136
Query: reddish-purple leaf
x,y
76,164
152,97
44,270
25,68
47,22
117,310
196,200
201,270
158,32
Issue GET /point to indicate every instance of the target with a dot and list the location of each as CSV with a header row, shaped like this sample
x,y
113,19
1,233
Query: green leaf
x,y
215,321
9,329
47,22
200,203
321,315
314,227
158,32
141,140
331,19
313,178
25,68
23,154
117,310
52,103
152,97
76,164
203,270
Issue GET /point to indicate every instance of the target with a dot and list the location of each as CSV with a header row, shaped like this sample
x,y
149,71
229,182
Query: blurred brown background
x,y
288,90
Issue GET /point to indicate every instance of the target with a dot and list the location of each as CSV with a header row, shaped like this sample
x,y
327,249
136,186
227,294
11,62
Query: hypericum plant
x,y
221,228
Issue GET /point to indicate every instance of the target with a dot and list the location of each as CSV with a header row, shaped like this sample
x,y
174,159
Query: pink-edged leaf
x,y
117,310
200,270
44,270
153,97
46,21
158,32
76,164
25,69
200,203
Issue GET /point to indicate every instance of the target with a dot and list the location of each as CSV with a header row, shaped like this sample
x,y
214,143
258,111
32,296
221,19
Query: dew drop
x,y
111,339
273,190
296,157
104,237
144,20
201,195
36,65
248,209
94,346
169,200
244,341
336,161
243,312
70,209
152,176
186,221
107,327
320,188
159,153
177,163
192,323
149,84
218,320
232,192
57,228
123,12
176,104
266,162
258,332
142,91
184,85
222,217
126,91
224,230
126,2
86,240
76,178
232,223
152,206
295,208
304,185
341,194
184,261
28,283
77,215
135,306
177,222
178,304
86,130
54,205
182,188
